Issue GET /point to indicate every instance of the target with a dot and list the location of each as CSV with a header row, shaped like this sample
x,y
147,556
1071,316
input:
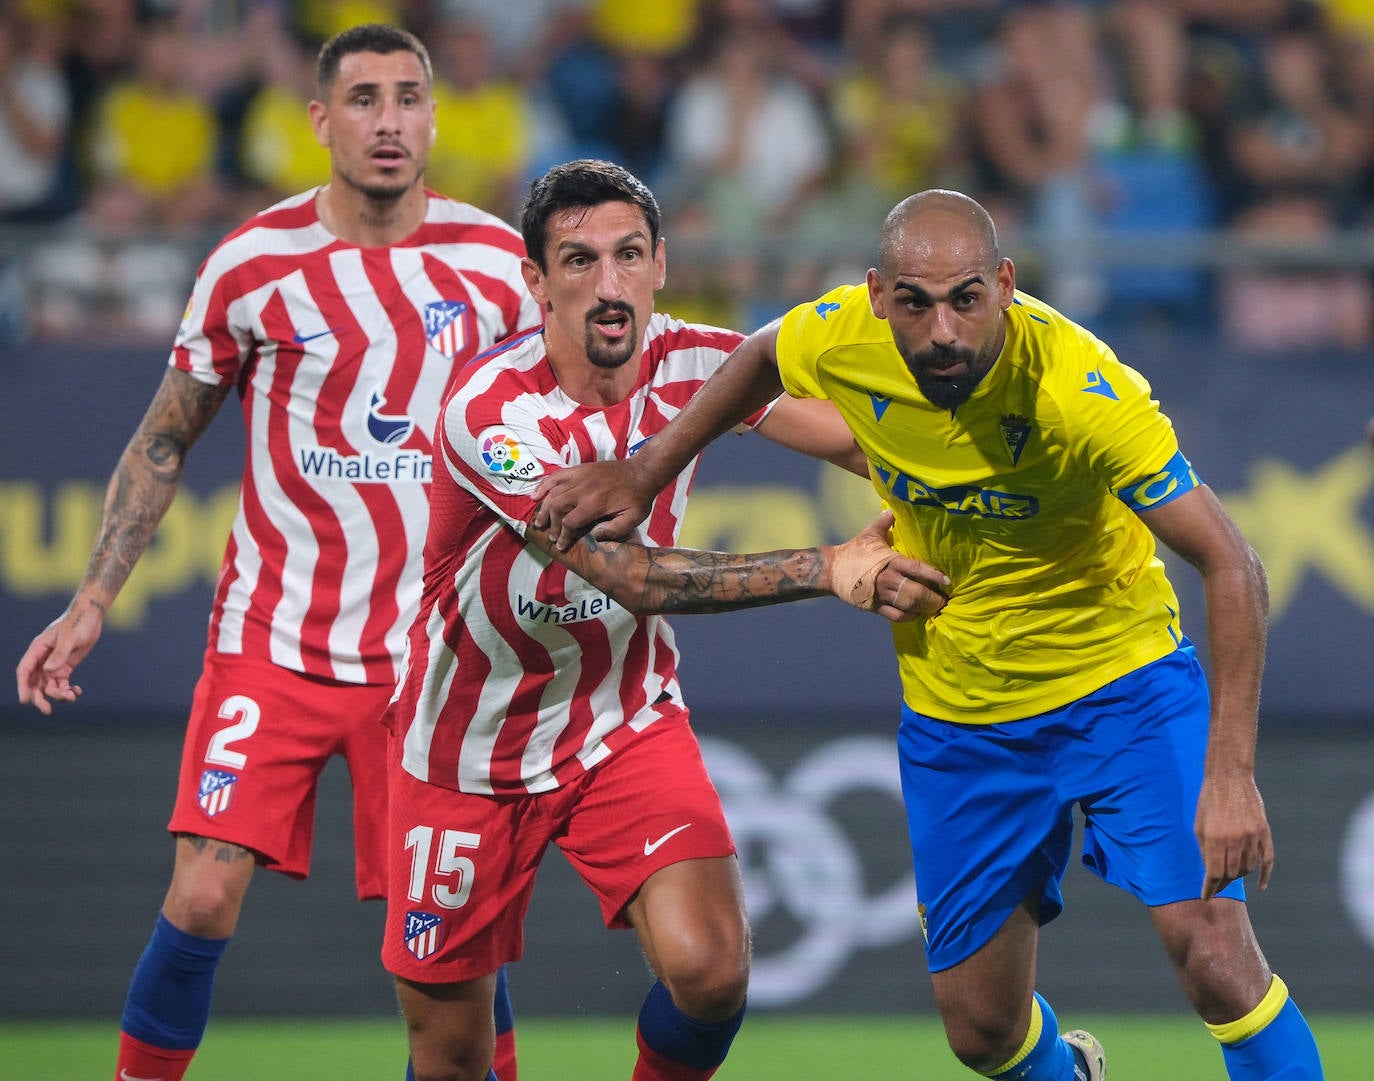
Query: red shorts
x,y
258,738
463,866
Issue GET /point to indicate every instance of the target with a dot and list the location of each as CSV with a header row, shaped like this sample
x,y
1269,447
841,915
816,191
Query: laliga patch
x,y
423,934
216,792
505,457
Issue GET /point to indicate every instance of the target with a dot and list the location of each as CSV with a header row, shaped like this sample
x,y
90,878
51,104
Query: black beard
x,y
616,355
945,392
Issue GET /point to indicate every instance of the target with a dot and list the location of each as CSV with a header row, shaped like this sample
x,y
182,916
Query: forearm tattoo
x,y
145,480
686,580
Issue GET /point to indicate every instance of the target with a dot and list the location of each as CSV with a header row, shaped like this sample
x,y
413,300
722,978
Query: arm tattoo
x,y
685,580
146,478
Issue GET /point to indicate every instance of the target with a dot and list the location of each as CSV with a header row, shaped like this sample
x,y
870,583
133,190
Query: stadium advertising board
x,y
817,815
1283,448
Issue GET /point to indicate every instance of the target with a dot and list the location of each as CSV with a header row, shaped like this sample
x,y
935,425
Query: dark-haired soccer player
x,y
541,701
338,316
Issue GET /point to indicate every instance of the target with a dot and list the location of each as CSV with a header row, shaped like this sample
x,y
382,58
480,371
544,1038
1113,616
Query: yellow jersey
x,y
1026,497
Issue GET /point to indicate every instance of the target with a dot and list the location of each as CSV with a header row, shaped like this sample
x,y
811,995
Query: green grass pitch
x,y
769,1048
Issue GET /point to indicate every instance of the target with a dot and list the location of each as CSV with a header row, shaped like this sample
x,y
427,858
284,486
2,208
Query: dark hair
x,y
587,182
367,38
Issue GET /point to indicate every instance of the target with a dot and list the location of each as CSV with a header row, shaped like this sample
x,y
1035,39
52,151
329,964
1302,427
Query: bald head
x,y
933,221
943,288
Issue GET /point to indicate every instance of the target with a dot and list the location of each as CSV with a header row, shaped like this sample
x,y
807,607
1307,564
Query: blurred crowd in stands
x,y
1191,163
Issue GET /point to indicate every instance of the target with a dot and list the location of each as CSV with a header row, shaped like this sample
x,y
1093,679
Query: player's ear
x,y
660,263
1006,283
875,294
534,280
319,120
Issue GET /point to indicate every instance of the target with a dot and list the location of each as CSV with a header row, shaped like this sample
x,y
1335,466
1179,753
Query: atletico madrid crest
x,y
216,792
424,933
446,326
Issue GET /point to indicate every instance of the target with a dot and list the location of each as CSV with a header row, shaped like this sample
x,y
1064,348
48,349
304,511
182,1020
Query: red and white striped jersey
x,y
520,674
341,355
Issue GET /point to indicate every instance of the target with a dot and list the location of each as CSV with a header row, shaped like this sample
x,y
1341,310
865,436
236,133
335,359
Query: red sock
x,y
140,1061
503,1062
651,1066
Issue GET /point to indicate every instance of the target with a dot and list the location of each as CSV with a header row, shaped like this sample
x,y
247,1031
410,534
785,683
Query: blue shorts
x,y
990,807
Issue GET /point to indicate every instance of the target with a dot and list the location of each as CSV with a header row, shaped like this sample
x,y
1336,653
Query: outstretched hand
x,y
869,574
609,498
45,670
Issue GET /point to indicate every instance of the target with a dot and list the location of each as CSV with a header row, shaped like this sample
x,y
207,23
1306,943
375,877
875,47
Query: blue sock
x,y
168,1004
505,1009
1283,1050
1047,1057
669,1032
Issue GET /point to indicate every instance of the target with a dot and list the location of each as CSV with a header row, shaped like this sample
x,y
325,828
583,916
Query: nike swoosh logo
x,y
125,1075
650,847
301,339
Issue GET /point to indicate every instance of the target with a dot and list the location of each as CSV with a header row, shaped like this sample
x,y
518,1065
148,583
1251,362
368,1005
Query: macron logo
x,y
1097,384
824,308
650,847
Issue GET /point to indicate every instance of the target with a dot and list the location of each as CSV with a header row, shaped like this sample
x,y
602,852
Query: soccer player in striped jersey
x,y
540,701
339,316
1020,455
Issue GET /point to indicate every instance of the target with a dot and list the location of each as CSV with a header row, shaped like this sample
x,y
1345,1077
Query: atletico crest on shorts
x,y
424,933
216,791
446,326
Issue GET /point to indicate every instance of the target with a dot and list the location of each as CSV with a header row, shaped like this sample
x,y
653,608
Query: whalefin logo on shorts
x,y
446,326
423,934
216,792
390,430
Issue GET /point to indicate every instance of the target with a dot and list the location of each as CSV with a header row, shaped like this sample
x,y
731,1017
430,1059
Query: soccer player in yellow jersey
x,y
1032,467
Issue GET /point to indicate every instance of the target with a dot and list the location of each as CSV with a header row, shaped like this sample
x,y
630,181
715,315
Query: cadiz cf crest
x,y
1015,432
446,326
424,933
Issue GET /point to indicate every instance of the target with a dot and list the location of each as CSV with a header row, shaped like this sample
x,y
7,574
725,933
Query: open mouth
x,y
613,324
388,155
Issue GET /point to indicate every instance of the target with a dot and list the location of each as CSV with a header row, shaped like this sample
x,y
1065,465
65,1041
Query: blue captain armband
x,y
1168,484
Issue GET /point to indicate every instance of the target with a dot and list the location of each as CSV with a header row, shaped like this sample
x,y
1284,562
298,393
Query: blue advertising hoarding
x,y
1280,438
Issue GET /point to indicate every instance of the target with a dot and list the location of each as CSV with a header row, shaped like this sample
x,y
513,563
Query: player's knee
x,y
206,909
711,984
982,1043
1218,961
205,901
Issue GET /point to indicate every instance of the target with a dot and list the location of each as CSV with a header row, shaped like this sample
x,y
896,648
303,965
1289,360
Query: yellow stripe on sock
x,y
1037,1024
1257,1019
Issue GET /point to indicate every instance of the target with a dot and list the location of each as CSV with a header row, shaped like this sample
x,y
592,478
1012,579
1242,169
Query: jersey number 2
x,y
245,714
